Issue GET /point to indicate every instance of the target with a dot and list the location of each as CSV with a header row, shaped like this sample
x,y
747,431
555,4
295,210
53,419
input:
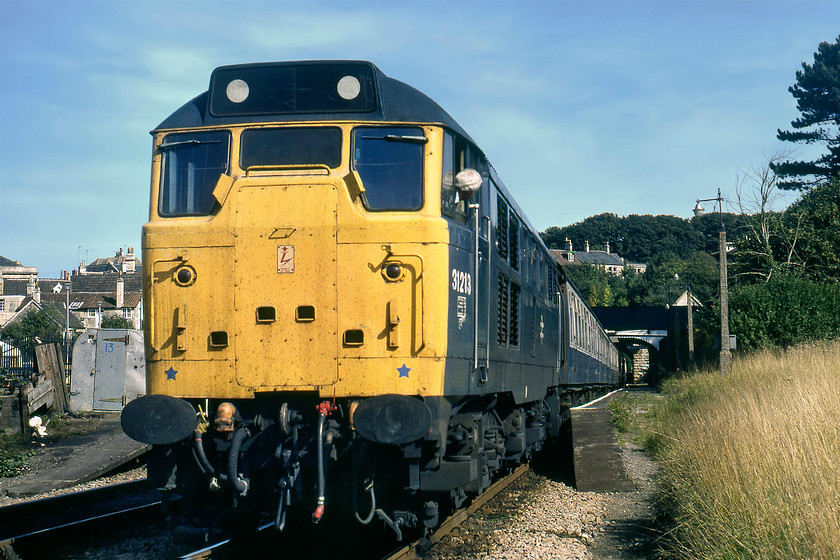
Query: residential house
x,y
605,260
17,281
105,287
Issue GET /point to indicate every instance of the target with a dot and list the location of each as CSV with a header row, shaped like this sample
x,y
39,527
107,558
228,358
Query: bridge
x,y
651,335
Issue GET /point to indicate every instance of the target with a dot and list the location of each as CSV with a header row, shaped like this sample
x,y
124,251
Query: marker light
x,y
237,91
393,271
349,87
185,276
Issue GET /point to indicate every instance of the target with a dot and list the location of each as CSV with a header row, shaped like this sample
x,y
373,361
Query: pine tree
x,y
817,92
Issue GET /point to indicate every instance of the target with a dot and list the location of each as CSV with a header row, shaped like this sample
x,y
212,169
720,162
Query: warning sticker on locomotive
x,y
285,259
462,310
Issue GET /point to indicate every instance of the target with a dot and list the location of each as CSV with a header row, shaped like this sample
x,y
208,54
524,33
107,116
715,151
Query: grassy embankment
x,y
750,463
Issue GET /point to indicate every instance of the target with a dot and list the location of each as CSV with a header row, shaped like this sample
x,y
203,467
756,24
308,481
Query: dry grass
x,y
751,462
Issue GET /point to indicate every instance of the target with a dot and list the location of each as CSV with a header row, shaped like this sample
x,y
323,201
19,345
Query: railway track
x,y
44,528
237,548
30,529
410,551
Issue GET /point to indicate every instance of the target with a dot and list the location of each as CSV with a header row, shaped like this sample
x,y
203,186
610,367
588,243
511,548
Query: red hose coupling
x,y
326,408
319,513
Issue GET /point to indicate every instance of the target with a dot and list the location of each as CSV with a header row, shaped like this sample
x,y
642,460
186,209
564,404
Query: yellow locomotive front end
x,y
272,271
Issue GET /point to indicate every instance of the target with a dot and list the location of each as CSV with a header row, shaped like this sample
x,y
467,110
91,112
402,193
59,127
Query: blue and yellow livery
x,y
337,280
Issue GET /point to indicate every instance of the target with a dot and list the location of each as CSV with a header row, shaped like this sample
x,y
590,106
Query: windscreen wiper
x,y
399,138
183,143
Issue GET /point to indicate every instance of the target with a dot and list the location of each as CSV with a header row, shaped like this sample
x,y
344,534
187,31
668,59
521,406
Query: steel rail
x,y
409,552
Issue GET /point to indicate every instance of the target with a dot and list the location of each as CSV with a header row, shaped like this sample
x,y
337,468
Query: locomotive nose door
x,y
285,285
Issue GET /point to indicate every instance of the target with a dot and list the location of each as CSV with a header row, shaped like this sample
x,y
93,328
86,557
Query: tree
x,y
33,323
817,215
598,287
769,245
635,237
817,93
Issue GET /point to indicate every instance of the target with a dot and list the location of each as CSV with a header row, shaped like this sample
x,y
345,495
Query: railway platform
x,y
75,459
597,454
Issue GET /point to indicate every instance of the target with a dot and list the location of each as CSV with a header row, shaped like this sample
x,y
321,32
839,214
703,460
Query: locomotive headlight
x,y
185,276
237,91
349,87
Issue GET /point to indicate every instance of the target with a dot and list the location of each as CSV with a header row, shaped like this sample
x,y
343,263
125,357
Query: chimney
x,y
608,247
586,246
130,263
30,286
36,295
568,245
120,292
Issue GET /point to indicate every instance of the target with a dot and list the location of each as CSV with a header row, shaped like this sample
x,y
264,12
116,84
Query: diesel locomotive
x,y
345,308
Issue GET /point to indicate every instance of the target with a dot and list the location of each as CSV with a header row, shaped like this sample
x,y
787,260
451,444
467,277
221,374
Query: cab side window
x,y
448,196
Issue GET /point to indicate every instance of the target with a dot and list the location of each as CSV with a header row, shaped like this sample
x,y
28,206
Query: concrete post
x,y
725,354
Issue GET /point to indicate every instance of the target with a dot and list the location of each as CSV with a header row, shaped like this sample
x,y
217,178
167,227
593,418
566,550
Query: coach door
x,y
285,284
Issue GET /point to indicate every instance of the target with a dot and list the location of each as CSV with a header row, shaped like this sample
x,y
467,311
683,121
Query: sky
x,y
583,107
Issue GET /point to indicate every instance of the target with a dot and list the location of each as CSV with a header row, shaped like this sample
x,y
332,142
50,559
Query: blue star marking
x,y
171,373
403,370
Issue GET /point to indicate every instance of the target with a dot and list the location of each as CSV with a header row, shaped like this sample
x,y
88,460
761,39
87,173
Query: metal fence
x,y
18,355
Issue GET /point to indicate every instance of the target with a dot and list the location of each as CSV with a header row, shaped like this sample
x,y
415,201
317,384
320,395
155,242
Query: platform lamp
x,y
725,354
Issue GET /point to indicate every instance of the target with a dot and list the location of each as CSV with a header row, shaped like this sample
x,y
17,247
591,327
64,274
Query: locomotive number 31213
x,y
461,282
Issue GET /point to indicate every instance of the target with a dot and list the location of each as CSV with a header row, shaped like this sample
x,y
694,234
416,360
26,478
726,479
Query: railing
x,y
17,359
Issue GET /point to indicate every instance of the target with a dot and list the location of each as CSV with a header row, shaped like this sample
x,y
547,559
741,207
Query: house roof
x,y
106,283
14,287
682,301
4,262
105,300
54,310
601,258
49,285
113,264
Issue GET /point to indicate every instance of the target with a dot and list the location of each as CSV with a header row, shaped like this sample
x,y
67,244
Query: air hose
x,y
239,484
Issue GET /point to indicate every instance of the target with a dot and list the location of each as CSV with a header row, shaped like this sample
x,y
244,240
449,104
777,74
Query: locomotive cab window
x,y
389,161
289,147
192,165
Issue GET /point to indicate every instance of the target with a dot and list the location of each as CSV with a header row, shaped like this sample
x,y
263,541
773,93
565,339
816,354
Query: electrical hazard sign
x,y
285,259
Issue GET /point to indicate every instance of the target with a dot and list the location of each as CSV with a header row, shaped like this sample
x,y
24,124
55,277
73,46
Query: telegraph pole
x,y
725,353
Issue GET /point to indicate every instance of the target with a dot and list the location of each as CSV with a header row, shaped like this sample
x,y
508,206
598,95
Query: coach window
x,y
389,161
192,165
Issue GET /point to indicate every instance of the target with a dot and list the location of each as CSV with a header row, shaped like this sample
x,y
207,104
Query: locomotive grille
x,y
513,241
502,229
513,329
502,328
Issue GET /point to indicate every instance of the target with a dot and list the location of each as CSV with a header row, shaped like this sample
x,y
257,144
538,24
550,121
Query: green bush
x,y
784,311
